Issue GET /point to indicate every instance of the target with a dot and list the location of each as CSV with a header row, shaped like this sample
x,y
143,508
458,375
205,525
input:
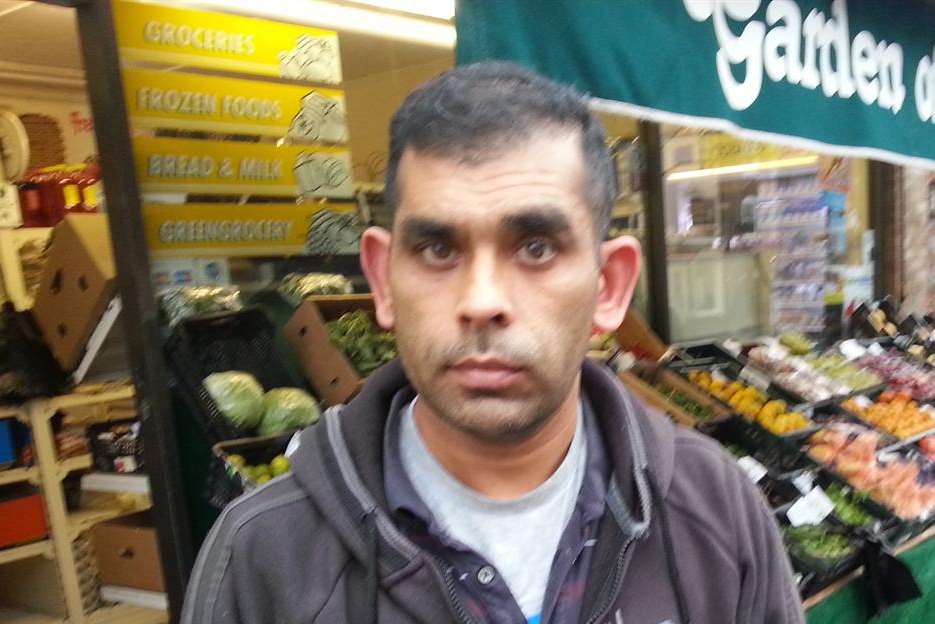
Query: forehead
x,y
544,170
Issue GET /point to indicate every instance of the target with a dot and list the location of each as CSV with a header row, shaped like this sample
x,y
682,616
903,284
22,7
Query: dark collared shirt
x,y
484,592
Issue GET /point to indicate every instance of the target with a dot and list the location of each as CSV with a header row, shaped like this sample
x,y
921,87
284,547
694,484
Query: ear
x,y
375,244
620,271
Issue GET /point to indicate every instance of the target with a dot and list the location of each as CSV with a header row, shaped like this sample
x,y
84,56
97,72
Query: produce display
x,y
927,447
695,409
285,409
238,396
365,345
260,473
847,506
751,403
902,375
797,343
299,286
188,301
818,542
893,412
905,485
813,377
241,400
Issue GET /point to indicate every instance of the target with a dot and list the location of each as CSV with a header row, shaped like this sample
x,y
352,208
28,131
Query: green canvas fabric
x,y
662,56
847,606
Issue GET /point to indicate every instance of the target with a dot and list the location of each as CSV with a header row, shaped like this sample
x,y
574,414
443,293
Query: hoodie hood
x,y
340,463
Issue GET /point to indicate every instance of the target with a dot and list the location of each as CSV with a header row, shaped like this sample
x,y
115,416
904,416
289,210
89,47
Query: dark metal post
x,y
655,250
886,220
102,68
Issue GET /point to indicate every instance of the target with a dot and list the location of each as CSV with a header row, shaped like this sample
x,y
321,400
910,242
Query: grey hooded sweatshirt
x,y
685,537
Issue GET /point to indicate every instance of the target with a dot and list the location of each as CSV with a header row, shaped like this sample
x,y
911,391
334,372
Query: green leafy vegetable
x,y
692,407
287,409
818,542
847,507
364,344
238,395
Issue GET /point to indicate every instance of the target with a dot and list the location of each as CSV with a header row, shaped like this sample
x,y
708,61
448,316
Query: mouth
x,y
487,374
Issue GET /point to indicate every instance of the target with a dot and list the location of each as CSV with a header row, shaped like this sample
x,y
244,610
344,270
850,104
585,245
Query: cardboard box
x,y
331,374
127,553
635,335
78,281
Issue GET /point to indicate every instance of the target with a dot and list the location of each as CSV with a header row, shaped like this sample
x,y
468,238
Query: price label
x,y
753,469
852,350
876,349
732,346
754,377
804,482
862,402
811,508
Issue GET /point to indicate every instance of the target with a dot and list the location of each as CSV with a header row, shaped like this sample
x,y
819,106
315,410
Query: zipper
x,y
454,600
613,585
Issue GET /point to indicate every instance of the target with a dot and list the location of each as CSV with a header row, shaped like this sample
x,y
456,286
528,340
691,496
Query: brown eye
x,y
536,251
439,254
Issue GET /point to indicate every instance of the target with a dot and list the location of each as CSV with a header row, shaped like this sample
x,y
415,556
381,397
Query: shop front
x,y
785,155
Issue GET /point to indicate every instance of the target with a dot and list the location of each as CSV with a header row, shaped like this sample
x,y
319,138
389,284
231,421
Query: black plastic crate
x,y
778,454
818,572
225,481
244,341
117,446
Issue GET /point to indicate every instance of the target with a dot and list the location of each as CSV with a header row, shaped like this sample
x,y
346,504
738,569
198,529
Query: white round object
x,y
14,146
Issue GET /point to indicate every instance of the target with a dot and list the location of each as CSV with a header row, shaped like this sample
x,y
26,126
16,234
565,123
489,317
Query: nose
x,y
484,300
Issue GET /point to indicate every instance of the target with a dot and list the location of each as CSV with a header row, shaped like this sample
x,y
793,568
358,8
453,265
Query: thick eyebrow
x,y
545,221
414,230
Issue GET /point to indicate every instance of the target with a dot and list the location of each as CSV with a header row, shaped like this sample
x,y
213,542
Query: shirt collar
x,y
403,500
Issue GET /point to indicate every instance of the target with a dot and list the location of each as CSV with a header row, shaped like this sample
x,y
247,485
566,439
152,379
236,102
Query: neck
x,y
501,471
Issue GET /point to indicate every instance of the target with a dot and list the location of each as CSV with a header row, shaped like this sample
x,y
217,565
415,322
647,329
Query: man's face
x,y
493,279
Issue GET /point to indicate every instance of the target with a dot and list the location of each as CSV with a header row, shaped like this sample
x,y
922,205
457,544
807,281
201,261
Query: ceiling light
x,y
799,161
440,9
323,14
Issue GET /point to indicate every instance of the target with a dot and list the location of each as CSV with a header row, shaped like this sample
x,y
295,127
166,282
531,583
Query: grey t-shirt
x,y
518,537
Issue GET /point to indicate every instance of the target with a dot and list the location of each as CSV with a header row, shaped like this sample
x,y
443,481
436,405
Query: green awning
x,y
852,78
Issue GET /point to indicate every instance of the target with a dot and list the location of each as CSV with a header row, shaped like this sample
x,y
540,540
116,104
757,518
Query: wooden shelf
x,y
71,401
17,553
8,616
16,475
125,614
7,411
79,462
82,520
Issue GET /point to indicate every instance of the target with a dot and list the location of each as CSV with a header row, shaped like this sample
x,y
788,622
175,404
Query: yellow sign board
x,y
724,150
238,167
158,33
185,230
159,99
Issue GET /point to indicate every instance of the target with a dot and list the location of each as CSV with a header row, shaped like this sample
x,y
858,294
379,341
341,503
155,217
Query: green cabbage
x,y
239,397
287,409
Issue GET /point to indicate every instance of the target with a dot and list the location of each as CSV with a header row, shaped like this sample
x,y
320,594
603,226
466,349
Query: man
x,y
494,475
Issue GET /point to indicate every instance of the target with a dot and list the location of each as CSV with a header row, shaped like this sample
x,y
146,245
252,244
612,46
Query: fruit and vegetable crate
x,y
703,353
820,553
244,340
748,392
895,415
744,438
670,393
239,466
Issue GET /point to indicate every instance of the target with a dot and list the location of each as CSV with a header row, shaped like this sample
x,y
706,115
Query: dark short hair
x,y
474,111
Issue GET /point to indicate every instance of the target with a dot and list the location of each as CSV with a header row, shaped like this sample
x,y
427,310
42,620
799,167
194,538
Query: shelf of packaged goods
x,y
67,466
9,616
126,614
17,475
26,551
83,519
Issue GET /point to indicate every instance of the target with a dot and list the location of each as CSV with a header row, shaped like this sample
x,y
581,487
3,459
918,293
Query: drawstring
x,y
362,596
373,568
671,565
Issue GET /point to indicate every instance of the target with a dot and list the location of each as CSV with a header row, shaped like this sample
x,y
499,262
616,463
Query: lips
x,y
486,374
